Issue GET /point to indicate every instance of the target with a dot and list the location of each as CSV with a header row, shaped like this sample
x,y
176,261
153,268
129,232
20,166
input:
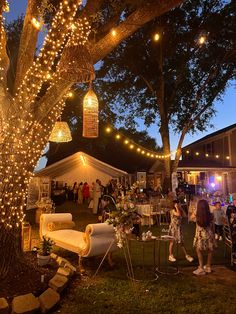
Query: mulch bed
x,y
28,279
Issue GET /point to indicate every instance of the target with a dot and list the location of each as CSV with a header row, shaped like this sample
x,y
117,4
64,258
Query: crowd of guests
x,y
209,224
95,194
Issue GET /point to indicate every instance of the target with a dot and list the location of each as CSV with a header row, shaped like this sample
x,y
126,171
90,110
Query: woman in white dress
x,y
97,193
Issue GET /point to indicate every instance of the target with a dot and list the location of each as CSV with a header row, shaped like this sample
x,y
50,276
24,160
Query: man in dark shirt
x,y
231,215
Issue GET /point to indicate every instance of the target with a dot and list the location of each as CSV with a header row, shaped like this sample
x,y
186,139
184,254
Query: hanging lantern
x,y
76,64
60,133
90,114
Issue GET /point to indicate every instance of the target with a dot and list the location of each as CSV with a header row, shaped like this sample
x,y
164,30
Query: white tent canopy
x,y
80,167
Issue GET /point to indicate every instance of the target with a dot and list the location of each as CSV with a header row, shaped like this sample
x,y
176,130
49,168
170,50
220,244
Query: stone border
x,y
28,303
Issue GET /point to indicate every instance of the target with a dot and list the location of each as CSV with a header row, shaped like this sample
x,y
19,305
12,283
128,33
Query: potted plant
x,y
44,251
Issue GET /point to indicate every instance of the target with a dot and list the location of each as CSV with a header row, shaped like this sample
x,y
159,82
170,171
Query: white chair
x,y
97,239
163,214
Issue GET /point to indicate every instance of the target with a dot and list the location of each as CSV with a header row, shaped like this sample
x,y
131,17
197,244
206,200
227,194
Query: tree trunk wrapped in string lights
x,y
29,110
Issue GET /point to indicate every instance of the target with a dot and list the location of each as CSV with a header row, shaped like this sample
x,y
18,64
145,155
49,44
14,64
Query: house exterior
x,y
211,161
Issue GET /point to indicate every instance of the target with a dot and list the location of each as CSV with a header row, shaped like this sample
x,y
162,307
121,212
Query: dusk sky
x,y
226,110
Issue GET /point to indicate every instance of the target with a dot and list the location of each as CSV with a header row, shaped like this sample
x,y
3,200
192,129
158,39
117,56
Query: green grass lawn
x,y
112,292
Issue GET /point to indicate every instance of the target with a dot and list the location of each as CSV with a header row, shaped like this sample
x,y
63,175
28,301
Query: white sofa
x,y
96,240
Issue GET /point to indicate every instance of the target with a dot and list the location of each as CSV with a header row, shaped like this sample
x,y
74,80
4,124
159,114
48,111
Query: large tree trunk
x,y
20,149
164,128
10,249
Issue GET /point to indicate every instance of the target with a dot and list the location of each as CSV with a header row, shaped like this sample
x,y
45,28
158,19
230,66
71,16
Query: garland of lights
x,y
150,153
136,147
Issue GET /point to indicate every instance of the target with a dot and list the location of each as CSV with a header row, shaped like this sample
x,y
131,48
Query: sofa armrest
x,y
99,238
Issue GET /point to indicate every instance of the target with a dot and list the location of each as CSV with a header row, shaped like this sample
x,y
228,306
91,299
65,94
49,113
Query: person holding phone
x,y
175,230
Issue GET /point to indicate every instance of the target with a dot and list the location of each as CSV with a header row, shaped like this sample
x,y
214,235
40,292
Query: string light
x,y
207,155
202,39
37,24
134,146
156,37
113,32
70,95
6,7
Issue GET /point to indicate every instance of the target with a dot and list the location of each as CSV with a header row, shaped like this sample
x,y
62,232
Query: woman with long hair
x,y
204,239
175,230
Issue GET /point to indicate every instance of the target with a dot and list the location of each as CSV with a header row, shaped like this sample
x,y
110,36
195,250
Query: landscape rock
x,y
4,307
71,267
58,282
64,271
62,261
25,304
48,299
54,256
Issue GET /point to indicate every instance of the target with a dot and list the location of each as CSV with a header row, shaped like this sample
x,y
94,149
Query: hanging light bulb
x,y
37,24
60,133
6,6
90,114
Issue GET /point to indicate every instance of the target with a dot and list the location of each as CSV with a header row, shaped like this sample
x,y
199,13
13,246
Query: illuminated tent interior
x,y
80,167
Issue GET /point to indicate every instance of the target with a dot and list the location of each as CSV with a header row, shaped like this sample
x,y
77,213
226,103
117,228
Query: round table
x,y
138,267
164,266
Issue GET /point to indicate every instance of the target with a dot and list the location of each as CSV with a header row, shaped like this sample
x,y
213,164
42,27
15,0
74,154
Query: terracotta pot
x,y
43,259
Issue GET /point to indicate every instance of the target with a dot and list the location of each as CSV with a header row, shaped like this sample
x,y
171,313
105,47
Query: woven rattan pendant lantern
x,y
90,114
60,133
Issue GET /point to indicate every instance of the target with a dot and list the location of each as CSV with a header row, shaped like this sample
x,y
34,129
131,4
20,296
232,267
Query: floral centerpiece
x,y
124,218
46,205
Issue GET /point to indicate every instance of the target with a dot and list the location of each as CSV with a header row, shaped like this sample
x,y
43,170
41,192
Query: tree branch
x,y
196,117
227,76
179,149
138,18
54,41
4,65
91,8
134,21
147,83
4,60
28,42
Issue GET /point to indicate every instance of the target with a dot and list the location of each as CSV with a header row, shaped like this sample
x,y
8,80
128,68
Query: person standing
x,y
80,193
204,239
97,193
86,193
219,216
231,215
175,230
75,191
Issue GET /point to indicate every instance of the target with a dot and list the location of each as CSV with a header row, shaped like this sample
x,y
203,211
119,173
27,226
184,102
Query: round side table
x,y
164,266
142,259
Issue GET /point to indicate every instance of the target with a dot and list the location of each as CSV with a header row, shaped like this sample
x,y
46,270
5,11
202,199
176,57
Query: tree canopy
x,y
173,82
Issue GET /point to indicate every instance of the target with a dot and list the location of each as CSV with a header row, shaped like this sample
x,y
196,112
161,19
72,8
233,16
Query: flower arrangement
x,y
45,246
123,218
46,204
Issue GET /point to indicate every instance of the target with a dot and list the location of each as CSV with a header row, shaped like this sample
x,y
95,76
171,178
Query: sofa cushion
x,y
69,239
60,225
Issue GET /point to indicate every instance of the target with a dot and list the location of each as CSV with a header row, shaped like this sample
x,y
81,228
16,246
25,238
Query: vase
x,y
43,259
